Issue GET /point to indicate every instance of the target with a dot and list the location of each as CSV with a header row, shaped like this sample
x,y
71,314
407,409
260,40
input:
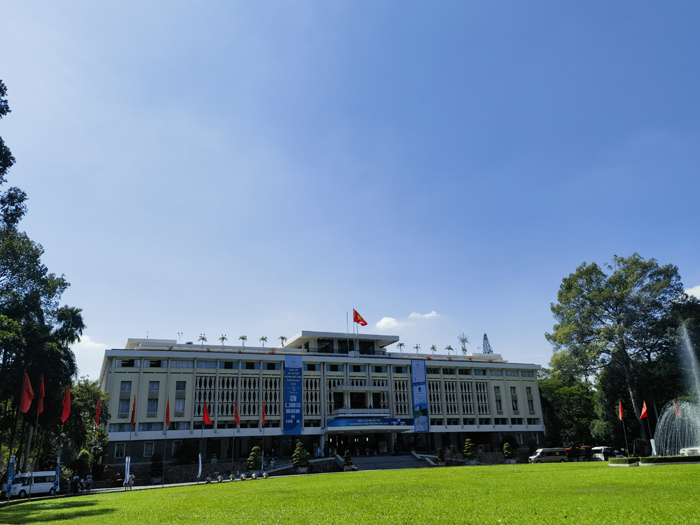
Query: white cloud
x,y
89,355
432,314
388,323
694,291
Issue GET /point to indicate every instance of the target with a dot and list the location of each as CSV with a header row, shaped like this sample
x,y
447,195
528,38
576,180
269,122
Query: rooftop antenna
x,y
463,341
146,335
179,336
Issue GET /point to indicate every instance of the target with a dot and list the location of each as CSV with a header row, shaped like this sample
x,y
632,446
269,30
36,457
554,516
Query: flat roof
x,y
306,336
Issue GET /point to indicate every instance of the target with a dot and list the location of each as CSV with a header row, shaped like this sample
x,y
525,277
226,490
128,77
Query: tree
x,y
618,314
282,339
449,349
300,457
254,459
507,451
223,339
416,348
202,338
568,410
263,340
469,449
243,339
400,347
433,349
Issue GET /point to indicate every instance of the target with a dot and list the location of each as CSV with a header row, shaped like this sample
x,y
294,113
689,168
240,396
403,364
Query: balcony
x,y
362,412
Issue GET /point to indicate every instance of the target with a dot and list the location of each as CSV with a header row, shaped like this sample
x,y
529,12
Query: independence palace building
x,y
324,389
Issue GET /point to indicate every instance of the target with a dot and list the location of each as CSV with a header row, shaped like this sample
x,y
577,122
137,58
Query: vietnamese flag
x,y
27,395
620,410
357,318
206,417
167,413
40,403
644,411
66,406
99,409
263,414
133,413
236,418
677,410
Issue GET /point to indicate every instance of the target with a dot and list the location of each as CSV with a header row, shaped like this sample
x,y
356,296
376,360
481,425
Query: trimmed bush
x,y
469,449
623,461
300,458
254,460
670,459
347,459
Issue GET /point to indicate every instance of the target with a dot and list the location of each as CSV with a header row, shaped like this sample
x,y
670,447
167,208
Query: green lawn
x,y
551,493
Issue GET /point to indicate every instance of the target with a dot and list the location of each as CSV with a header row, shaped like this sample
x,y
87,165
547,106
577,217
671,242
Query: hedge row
x,y
623,461
670,459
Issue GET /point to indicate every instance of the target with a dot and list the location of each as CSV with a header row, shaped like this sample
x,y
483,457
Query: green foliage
x,y
254,459
507,451
602,431
623,461
469,449
441,454
670,459
347,459
300,457
81,465
586,493
568,410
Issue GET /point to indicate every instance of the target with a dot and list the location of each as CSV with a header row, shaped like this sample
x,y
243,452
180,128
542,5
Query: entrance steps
x,y
388,462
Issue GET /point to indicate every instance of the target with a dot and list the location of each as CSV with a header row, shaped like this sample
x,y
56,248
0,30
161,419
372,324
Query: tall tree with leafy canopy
x,y
618,314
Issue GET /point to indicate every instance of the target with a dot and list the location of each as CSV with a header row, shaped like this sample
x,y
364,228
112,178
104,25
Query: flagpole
x,y
165,449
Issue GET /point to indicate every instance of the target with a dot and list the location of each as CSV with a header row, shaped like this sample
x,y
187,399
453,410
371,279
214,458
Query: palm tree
x,y
282,339
202,338
72,325
449,349
433,349
263,340
400,347
223,339
243,338
416,348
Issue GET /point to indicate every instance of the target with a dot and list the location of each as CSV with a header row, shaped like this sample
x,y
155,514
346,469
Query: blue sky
x,y
260,168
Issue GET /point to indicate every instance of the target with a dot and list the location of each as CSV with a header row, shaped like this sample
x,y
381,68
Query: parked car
x,y
549,455
41,483
605,453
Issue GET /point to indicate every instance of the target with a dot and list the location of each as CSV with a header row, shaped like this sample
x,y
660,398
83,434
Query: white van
x,y
41,483
605,453
548,455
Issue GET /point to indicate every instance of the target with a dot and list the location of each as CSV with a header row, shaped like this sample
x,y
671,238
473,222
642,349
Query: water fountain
x,y
678,428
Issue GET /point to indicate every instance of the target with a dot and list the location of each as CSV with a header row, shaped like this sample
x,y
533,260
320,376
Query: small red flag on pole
x,y
263,414
357,318
40,403
98,410
206,417
66,406
620,409
644,411
677,410
27,395
167,413
133,412
235,414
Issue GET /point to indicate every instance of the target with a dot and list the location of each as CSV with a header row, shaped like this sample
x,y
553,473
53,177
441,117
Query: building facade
x,y
328,390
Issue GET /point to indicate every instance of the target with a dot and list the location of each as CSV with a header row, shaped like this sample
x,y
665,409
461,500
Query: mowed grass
x,y
508,494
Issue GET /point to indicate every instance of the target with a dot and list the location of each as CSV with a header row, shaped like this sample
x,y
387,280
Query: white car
x,y
35,483
605,453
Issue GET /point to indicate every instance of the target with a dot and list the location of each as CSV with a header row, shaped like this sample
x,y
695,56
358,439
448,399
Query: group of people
x,y
78,484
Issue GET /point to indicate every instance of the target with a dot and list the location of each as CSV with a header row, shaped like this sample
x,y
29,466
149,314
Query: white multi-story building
x,y
344,392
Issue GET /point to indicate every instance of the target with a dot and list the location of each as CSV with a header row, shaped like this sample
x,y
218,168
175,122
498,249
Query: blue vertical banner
x,y
10,476
57,476
421,419
292,395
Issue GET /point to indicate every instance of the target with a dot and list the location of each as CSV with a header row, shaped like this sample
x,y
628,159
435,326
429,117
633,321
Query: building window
x,y
527,373
432,371
181,363
149,363
515,405
530,405
499,407
357,368
119,427
536,437
271,366
516,421
379,369
249,365
180,425
148,449
119,450
448,371
175,446
533,421
180,385
528,390
479,372
152,406
399,370
153,386
334,368
469,421
324,346
519,438
150,427
495,372
228,365
179,405
465,372
512,391
484,421
512,373
500,421
206,364
125,386
128,363
311,368
123,406
497,390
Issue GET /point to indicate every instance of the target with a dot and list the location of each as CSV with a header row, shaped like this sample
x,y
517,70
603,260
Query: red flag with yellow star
x,y
357,318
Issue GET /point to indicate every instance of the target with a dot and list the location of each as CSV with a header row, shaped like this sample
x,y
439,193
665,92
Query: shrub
x,y
81,465
254,460
441,455
507,451
670,459
623,461
469,449
300,458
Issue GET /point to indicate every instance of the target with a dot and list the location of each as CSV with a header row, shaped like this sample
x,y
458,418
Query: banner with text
x,y
421,420
292,395
371,422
